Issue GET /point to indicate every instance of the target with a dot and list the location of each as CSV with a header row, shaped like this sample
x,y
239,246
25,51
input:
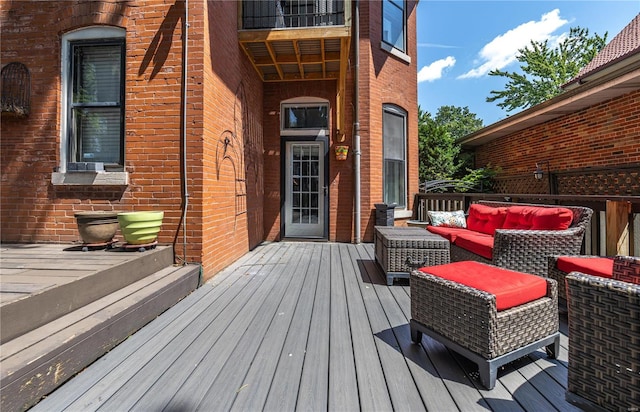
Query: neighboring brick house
x,y
270,91
588,137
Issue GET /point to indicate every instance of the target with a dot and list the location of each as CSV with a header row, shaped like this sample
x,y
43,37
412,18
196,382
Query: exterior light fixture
x,y
539,173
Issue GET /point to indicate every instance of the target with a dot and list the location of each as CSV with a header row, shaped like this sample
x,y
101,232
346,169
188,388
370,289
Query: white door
x,y
304,190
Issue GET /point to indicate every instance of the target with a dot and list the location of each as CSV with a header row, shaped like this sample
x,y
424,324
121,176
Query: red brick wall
x,y
340,172
229,184
33,210
218,231
385,79
605,135
232,183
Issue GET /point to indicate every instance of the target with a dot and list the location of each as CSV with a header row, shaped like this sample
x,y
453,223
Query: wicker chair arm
x,y
627,268
529,250
579,282
603,326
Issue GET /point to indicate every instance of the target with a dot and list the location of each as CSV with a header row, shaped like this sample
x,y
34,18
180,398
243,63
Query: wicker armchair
x,y
559,276
528,250
604,338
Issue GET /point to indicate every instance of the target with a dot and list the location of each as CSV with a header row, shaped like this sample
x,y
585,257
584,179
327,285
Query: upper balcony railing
x,y
272,14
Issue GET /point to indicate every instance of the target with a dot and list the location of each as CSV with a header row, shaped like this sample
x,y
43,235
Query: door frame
x,y
283,177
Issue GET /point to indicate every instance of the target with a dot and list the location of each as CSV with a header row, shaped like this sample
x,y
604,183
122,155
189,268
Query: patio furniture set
x,y
489,285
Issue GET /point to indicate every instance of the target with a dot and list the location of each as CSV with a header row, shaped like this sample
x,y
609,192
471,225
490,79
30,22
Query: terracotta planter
x,y
97,227
140,228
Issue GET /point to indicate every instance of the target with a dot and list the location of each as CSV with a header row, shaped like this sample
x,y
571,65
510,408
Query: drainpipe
x,y
356,122
183,138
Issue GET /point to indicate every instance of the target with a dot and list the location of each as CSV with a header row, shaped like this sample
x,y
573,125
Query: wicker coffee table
x,y
399,250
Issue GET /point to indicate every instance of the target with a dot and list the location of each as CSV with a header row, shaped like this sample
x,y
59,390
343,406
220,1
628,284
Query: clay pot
x,y
97,227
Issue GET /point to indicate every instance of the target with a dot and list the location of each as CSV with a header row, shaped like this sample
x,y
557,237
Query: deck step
x,y
35,363
91,281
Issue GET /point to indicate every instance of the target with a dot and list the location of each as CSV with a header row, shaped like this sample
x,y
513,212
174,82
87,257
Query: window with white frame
x,y
394,132
394,24
93,61
304,116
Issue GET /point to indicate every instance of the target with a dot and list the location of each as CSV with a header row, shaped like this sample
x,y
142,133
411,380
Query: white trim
x,y
304,101
59,178
398,111
402,213
395,52
90,178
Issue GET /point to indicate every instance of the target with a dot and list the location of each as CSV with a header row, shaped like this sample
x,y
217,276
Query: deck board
x,y
308,326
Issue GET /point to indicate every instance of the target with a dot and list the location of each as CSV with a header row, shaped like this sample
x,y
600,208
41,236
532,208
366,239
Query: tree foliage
x,y
441,158
546,69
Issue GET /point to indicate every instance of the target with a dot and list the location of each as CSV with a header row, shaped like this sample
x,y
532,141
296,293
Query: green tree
x,y
441,158
437,149
546,69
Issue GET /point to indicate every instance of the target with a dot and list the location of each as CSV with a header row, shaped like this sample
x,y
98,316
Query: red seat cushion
x,y
510,288
538,218
596,266
449,233
485,219
478,243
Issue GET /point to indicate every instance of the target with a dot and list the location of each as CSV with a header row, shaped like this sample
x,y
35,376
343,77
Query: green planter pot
x,y
140,228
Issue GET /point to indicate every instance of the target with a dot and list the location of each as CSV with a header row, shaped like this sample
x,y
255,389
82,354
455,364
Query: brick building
x,y
228,124
586,141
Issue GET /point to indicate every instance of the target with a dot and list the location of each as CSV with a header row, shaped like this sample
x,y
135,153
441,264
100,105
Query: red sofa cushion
x,y
485,219
596,266
478,243
537,218
449,233
510,288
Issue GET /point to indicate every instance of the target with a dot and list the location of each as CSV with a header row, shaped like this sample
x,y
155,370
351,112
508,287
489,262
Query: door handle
x,y
326,190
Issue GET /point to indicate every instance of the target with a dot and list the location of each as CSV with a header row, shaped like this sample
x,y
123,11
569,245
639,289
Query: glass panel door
x,y
305,192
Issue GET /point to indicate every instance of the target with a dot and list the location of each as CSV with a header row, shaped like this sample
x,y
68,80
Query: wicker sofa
x,y
604,338
520,249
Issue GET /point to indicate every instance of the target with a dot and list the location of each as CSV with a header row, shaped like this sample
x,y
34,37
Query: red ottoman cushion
x,y
596,266
510,288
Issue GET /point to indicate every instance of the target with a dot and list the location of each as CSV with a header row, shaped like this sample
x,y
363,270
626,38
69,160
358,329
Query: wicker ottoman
x,y
484,327
399,250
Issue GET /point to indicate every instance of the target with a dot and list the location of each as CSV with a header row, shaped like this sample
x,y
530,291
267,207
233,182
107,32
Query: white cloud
x,y
437,46
502,50
434,70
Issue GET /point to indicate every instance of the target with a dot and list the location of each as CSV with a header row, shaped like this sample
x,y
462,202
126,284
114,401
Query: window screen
x,y
96,108
394,153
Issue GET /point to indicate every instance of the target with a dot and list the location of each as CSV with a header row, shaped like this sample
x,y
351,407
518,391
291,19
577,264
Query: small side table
x,y
399,250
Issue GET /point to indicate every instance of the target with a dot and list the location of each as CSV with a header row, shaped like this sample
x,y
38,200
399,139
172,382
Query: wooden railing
x,y
614,229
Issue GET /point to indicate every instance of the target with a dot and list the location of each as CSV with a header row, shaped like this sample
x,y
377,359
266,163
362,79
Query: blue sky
x,y
459,42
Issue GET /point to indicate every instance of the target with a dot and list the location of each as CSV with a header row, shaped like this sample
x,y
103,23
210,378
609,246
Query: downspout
x,y
183,138
356,122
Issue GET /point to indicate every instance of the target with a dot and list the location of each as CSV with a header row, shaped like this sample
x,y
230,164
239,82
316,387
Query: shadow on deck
x,y
62,308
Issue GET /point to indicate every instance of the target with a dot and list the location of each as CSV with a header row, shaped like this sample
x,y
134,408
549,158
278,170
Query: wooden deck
x,y
62,308
300,326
